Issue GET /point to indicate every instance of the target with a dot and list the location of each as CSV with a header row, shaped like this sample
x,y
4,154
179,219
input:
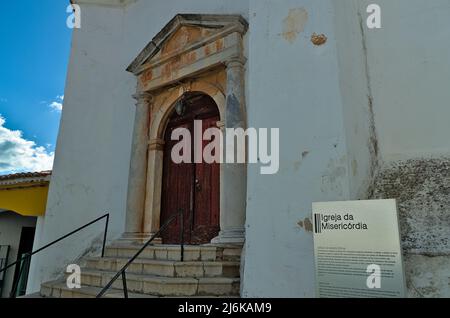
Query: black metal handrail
x,y
27,257
122,271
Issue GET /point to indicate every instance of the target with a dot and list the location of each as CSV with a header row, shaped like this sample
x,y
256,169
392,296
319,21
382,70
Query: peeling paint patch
x,y
318,39
306,224
186,35
294,24
146,76
171,68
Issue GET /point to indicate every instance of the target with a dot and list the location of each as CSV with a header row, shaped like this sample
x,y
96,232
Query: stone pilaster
x,y
233,187
134,226
154,189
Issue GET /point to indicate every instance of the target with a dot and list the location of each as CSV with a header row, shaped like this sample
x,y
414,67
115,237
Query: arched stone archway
x,y
193,53
192,187
166,104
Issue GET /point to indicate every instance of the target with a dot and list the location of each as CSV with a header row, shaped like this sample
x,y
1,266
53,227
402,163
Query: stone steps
x,y
165,286
59,289
173,252
207,271
193,269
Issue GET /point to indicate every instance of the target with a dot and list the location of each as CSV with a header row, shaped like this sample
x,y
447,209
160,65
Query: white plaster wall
x,y
11,225
410,71
90,172
293,86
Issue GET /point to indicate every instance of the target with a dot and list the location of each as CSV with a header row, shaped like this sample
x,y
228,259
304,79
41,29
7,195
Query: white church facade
x,y
361,113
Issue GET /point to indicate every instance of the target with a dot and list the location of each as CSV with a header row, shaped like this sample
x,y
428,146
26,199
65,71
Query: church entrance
x,y
191,187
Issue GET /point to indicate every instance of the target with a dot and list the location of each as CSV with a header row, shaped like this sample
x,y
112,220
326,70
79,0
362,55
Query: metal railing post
x,y
23,264
124,282
104,237
182,234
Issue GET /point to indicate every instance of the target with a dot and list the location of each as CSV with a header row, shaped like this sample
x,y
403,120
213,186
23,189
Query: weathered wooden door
x,y
192,187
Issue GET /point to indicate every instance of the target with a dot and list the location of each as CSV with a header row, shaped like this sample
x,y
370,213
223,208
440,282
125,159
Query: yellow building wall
x,y
26,199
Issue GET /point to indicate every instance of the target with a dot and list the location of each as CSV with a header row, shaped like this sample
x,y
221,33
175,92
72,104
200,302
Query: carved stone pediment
x,y
188,44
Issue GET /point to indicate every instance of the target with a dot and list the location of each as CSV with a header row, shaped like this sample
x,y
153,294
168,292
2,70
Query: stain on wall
x,y
306,224
334,176
294,24
318,39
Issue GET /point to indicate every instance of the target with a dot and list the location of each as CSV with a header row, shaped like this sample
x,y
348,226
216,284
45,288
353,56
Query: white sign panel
x,y
357,249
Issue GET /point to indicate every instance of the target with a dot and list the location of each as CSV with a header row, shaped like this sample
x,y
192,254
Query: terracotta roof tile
x,y
25,175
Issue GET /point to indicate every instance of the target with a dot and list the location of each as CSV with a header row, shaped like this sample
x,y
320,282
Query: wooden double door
x,y
192,187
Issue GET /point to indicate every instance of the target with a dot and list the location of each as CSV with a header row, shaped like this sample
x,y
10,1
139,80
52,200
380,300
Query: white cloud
x,y
57,105
18,154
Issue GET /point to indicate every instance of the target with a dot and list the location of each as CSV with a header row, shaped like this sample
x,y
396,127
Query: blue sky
x,y
35,48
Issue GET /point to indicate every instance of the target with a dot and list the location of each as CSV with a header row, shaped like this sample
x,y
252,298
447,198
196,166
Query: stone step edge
x,y
162,247
165,279
175,247
92,291
163,262
168,253
156,243
165,268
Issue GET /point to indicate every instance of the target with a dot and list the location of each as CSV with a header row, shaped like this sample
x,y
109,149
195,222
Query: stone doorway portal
x,y
193,53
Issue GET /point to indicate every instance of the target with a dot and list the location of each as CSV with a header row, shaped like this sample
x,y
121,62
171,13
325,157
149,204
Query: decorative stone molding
x,y
189,44
156,144
192,53
220,125
238,61
143,98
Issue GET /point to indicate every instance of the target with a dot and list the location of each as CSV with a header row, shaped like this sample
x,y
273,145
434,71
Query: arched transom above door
x,y
192,53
